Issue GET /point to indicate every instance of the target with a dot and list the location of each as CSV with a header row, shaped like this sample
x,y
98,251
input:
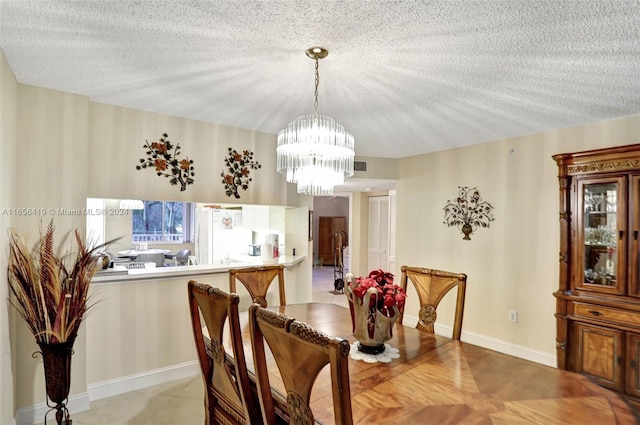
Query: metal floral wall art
x,y
468,211
163,157
237,175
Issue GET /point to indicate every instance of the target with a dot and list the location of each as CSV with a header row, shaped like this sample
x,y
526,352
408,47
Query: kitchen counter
x,y
111,276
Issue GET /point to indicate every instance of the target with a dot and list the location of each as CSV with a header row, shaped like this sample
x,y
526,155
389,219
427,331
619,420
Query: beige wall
x,y
378,168
52,152
145,325
8,131
116,140
513,265
359,233
67,149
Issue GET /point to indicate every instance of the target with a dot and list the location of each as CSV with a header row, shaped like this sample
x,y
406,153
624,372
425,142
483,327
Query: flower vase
x,y
467,230
370,327
56,358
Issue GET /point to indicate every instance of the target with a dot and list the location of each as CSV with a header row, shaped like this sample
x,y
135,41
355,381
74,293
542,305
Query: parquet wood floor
x,y
440,381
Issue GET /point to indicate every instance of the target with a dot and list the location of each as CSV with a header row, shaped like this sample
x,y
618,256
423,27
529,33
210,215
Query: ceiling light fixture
x,y
314,151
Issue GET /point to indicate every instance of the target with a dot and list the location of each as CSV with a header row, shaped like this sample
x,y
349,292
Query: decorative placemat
x,y
386,356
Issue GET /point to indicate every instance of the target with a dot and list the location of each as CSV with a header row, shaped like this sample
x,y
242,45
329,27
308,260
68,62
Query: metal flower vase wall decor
x,y
468,211
162,156
237,175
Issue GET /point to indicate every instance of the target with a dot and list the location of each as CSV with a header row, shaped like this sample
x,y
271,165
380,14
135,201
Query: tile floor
x,y
323,289
177,402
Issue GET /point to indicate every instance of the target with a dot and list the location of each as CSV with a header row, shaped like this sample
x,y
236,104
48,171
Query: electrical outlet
x,y
513,316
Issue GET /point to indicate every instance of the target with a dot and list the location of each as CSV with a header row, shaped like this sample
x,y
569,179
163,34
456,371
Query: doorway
x,y
328,206
331,215
381,250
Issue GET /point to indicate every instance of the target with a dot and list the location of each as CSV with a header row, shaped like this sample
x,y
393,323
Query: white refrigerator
x,y
220,235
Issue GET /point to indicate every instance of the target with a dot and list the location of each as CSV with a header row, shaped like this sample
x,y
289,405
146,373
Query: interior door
x,y
378,249
327,228
633,238
392,232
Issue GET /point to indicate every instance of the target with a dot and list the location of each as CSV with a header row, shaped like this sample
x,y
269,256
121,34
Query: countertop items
x,y
134,253
162,272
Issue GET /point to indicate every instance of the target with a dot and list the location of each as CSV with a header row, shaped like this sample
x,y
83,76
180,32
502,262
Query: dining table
x,y
436,380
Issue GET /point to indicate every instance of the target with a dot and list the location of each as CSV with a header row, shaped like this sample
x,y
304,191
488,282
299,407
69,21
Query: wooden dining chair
x,y
300,352
431,286
257,280
156,257
179,257
228,395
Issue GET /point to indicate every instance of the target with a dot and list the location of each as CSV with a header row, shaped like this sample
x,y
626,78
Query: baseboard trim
x,y
494,344
80,402
35,414
141,380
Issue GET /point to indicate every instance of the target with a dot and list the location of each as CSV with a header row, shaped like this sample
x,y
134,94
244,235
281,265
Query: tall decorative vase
x,y
370,327
57,374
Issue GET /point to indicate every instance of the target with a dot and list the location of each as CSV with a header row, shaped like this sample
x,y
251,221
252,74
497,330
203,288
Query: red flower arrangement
x,y
388,294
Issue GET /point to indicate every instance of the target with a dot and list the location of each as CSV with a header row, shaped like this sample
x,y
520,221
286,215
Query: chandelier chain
x,y
315,103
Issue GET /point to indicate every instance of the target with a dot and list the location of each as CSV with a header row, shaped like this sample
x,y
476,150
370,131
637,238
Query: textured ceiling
x,y
404,77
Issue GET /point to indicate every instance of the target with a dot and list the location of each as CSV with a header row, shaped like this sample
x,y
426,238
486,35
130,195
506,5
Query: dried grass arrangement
x,y
51,291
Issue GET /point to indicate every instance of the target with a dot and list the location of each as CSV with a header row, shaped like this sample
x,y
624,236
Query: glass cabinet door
x,y
601,238
634,243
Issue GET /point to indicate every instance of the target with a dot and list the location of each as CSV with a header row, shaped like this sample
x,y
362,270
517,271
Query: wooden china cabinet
x,y
598,299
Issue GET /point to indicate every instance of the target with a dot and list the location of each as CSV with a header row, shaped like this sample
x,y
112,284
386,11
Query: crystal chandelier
x,y
314,151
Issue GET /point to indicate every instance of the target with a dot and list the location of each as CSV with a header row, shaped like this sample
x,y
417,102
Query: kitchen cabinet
x,y
263,217
598,297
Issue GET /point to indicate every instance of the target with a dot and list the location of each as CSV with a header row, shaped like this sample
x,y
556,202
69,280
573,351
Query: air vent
x,y
359,166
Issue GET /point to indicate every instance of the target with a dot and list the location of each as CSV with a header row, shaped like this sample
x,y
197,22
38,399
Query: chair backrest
x,y
182,256
257,280
300,353
228,395
431,286
156,257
